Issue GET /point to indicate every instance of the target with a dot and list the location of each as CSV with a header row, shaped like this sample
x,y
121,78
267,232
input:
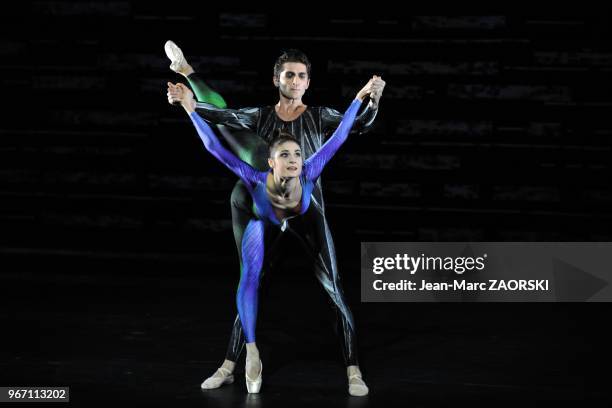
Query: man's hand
x,y
179,94
376,90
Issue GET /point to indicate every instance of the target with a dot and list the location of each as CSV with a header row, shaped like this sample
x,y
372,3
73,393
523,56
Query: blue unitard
x,y
255,181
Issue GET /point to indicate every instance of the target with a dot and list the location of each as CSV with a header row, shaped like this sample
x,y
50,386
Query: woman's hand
x,y
365,90
373,88
179,94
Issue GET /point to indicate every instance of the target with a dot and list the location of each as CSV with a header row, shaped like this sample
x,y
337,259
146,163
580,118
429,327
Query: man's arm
x,y
234,118
245,118
331,118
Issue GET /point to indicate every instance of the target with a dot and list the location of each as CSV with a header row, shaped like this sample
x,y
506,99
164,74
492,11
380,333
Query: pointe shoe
x,y
174,53
357,390
253,386
215,382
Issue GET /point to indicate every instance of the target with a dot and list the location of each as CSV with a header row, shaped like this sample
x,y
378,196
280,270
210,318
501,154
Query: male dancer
x,y
311,126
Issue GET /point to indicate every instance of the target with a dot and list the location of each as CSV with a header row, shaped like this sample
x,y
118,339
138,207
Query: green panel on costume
x,y
204,93
246,144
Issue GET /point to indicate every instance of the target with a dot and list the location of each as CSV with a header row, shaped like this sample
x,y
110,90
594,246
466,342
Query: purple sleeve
x,y
315,163
243,170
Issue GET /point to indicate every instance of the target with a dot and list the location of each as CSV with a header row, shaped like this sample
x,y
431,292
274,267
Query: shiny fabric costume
x,y
256,183
311,128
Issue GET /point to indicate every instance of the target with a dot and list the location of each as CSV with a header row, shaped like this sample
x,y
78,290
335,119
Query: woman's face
x,y
286,160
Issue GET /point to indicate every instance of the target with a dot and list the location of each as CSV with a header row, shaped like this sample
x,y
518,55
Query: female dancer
x,y
280,194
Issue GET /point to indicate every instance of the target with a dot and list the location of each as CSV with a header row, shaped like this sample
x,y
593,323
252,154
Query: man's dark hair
x,y
281,136
291,56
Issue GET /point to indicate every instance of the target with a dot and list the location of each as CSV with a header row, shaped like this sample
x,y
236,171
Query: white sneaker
x,y
357,389
253,386
174,53
213,381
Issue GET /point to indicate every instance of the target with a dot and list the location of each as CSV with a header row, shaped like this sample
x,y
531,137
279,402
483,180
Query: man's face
x,y
293,80
286,160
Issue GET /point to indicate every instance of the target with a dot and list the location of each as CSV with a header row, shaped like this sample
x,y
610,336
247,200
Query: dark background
x,y
118,264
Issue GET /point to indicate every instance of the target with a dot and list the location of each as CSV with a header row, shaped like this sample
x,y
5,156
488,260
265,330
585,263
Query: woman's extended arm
x,y
315,163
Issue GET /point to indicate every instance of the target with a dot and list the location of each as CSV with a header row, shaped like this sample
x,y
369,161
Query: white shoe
x,y
253,386
357,389
213,381
174,53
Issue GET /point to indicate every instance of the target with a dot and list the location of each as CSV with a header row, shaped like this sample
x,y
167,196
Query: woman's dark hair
x,y
280,136
291,55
